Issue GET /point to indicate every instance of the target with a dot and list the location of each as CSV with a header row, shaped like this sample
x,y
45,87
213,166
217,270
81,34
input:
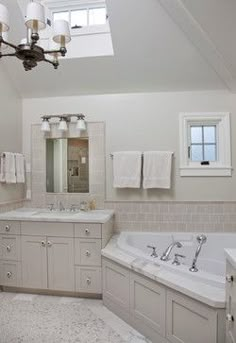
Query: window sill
x,y
206,171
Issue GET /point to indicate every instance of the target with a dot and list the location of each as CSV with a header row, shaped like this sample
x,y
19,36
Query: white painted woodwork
x,y
47,229
88,252
34,262
10,273
60,263
10,247
147,303
88,280
231,305
189,321
10,227
88,230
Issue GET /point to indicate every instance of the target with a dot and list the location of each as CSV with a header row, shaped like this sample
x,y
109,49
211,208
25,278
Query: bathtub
x,y
211,262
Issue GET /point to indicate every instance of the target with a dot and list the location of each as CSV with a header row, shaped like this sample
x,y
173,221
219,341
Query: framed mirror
x,y
67,165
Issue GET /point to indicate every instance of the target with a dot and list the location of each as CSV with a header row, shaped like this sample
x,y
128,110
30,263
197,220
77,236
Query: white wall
x,y
10,130
144,122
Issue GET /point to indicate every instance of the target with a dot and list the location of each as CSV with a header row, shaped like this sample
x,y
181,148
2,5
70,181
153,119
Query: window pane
x,y
79,18
61,15
209,134
196,153
196,134
210,152
97,16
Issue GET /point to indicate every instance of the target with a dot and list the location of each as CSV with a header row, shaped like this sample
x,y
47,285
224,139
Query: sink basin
x,y
44,213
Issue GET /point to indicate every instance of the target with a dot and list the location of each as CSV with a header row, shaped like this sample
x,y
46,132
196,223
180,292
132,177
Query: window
x,y
205,144
83,17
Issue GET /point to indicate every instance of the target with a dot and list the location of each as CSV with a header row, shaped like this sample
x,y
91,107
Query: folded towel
x,y
157,169
20,168
2,168
10,167
127,169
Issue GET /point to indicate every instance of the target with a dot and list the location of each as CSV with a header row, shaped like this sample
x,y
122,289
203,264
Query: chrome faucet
x,y
166,254
201,240
154,252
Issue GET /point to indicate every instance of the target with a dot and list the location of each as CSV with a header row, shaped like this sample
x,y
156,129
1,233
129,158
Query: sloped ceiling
x,y
153,51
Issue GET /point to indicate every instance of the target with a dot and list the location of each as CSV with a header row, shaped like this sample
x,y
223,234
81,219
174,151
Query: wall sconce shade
x,y
81,125
63,124
35,16
45,127
4,19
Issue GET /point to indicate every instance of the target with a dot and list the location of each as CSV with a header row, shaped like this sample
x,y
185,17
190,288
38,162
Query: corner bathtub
x,y
211,261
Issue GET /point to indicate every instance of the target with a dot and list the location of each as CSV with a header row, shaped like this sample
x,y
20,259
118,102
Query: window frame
x,y
220,167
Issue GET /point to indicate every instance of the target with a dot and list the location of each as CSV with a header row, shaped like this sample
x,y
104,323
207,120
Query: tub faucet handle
x,y
154,252
176,261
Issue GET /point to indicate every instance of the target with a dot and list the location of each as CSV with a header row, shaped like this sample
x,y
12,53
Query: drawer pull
x,y
49,243
88,253
229,278
88,281
87,231
9,275
229,318
43,244
8,248
7,228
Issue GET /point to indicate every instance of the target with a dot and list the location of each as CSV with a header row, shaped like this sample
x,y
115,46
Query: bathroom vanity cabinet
x,y
231,301
53,256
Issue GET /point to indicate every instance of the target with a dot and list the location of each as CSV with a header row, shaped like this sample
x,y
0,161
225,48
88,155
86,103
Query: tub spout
x,y
166,255
201,240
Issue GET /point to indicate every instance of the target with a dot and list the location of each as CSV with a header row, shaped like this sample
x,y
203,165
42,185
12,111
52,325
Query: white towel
x,y
20,168
2,168
10,167
157,169
127,169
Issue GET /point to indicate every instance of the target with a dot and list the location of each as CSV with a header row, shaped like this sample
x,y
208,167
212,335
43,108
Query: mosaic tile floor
x,y
26,318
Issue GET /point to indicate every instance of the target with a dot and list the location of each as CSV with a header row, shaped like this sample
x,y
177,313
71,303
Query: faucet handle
x,y
154,253
50,207
176,261
73,207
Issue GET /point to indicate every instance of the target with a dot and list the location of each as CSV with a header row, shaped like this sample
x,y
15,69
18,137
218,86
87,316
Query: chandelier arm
x,y
7,55
48,52
55,64
2,41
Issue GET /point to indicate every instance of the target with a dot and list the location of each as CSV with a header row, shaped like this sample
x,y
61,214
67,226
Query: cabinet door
x,y
60,264
231,305
34,262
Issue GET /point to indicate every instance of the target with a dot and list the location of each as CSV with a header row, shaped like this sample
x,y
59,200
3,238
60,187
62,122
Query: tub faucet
x,y
166,254
201,240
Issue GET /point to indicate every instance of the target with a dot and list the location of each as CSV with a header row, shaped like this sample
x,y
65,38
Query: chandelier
x,y
28,50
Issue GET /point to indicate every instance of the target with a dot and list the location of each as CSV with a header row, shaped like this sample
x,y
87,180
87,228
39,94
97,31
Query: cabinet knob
x,y
88,281
7,228
49,243
229,318
88,253
229,278
8,248
43,244
87,231
9,275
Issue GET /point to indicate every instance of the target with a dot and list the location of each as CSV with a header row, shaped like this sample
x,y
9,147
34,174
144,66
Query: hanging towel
x,y
157,169
127,169
10,167
2,168
20,168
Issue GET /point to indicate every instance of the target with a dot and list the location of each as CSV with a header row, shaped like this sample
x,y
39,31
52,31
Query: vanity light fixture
x,y
64,119
28,50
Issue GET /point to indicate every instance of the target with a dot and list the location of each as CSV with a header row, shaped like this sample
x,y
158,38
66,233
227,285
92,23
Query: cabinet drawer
x,y
88,280
10,247
10,274
88,230
88,252
10,227
47,229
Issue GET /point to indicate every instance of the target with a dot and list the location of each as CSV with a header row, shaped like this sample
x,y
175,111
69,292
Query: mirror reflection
x,y
67,165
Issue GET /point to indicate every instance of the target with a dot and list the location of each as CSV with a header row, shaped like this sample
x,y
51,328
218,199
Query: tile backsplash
x,y
174,216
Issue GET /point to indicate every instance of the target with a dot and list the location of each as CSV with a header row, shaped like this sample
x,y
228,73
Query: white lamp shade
x,y
23,41
62,125
61,31
35,13
4,18
5,37
81,125
45,126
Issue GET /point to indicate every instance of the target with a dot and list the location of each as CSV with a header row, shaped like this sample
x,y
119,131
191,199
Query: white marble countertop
x,y
210,295
231,256
37,214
